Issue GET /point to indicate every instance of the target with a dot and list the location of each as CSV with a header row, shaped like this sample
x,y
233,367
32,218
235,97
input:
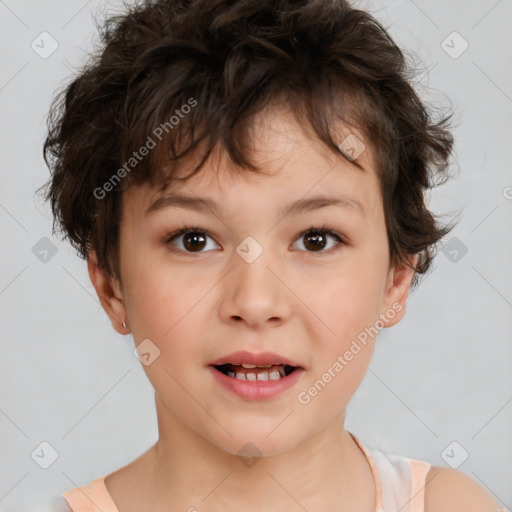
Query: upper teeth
x,y
246,365
262,375
259,372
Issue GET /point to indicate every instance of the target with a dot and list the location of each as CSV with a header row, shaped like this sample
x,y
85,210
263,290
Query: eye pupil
x,y
193,237
318,240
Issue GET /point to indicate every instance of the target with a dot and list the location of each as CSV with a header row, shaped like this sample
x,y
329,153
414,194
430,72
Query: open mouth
x,y
253,372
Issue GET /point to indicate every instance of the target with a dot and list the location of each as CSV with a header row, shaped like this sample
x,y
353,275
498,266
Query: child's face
x,y
306,305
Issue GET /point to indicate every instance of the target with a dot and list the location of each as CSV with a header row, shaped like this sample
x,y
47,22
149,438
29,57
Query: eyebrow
x,y
203,204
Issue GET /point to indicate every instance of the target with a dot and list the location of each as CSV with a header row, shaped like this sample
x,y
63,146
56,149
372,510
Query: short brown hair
x,y
327,60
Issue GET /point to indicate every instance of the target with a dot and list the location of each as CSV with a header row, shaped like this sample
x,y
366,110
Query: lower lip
x,y
259,389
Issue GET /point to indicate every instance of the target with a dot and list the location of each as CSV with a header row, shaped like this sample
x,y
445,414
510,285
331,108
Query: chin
x,y
253,438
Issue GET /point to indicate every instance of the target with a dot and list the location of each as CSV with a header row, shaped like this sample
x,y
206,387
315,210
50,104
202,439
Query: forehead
x,y
292,163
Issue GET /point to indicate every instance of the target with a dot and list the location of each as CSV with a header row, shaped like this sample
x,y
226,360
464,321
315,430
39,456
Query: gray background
x,y
441,376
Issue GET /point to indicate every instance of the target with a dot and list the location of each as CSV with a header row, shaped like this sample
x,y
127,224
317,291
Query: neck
x,y
327,471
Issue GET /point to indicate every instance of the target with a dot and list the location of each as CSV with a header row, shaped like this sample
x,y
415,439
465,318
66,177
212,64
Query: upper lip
x,y
261,358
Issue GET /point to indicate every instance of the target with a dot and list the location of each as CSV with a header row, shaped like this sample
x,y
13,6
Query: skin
x,y
294,301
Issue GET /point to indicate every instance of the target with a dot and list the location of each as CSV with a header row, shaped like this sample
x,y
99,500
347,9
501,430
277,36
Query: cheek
x,y
351,303
348,301
163,300
166,308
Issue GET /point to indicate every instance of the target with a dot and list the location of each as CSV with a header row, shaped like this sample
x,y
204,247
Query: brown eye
x,y
194,241
316,240
189,240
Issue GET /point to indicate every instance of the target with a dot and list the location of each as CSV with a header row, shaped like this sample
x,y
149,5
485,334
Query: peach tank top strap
x,y
91,498
379,506
419,470
399,481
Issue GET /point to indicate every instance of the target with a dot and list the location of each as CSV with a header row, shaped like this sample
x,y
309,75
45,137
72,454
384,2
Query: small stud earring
x,y
124,325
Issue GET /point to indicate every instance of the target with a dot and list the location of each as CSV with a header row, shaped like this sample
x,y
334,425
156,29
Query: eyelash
x,y
322,230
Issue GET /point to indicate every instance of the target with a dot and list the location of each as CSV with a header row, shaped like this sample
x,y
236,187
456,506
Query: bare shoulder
x,y
449,489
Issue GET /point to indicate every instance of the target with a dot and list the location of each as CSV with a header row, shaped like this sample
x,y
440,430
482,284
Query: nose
x,y
255,293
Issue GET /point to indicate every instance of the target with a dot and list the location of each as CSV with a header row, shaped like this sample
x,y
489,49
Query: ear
x,y
109,292
396,293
